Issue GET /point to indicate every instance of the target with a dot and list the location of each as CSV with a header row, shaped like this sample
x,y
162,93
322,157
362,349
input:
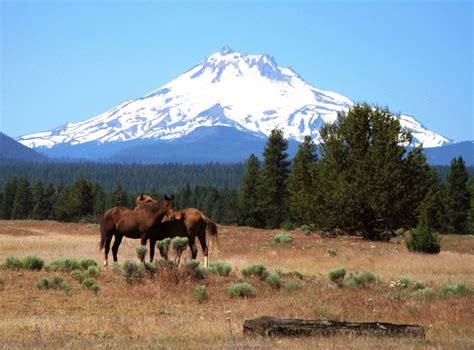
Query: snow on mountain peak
x,y
247,92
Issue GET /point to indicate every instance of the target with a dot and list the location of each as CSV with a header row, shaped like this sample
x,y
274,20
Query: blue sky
x,y
72,60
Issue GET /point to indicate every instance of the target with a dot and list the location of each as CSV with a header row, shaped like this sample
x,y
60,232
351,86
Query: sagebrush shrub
x,y
220,268
43,283
455,290
283,238
95,288
78,275
12,262
85,263
361,280
424,293
273,280
66,265
164,247
257,270
33,263
141,252
337,275
241,289
293,285
418,285
200,294
132,272
92,271
89,282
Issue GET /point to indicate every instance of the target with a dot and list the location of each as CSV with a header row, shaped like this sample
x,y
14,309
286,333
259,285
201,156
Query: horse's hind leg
x,y
202,240
192,245
106,250
115,247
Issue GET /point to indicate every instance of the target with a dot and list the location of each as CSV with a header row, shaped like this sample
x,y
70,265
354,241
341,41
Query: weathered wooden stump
x,y
272,326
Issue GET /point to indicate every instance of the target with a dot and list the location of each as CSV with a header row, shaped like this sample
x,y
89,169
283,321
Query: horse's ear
x,y
167,198
141,197
172,197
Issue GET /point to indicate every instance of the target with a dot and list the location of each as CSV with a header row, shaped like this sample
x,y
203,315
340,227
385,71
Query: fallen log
x,y
272,326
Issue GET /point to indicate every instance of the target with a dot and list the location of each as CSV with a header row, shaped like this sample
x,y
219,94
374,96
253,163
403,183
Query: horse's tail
x,y
103,234
211,231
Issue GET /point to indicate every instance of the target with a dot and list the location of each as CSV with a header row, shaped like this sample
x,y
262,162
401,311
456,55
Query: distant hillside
x,y
11,150
444,154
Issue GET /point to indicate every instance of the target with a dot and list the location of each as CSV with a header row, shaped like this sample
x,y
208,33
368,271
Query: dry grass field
x,y
163,314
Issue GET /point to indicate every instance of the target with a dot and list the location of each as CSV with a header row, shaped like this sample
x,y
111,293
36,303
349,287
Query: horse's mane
x,y
155,206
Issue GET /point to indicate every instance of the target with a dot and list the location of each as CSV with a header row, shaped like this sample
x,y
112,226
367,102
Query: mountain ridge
x,y
249,93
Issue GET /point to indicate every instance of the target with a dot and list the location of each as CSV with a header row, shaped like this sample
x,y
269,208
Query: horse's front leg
x,y
152,249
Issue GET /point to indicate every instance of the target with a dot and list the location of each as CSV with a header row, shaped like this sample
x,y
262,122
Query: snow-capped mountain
x,y
249,93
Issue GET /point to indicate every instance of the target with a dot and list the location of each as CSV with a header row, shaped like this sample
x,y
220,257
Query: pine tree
x,y
457,197
98,199
118,197
41,205
51,197
81,199
423,239
273,194
63,207
433,209
470,215
22,203
302,184
248,202
363,172
9,191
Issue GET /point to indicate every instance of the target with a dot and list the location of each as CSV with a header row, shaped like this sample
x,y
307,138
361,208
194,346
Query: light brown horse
x,y
121,221
190,223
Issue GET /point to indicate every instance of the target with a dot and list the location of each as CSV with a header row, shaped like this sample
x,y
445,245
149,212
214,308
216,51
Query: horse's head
x,y
169,207
143,201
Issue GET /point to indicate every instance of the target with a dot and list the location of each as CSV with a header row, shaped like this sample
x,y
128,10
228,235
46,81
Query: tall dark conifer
x,y
22,203
248,203
118,197
274,176
457,197
363,172
81,199
9,191
302,184
41,205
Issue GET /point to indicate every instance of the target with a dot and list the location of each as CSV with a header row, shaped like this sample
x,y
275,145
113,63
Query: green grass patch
x,y
337,275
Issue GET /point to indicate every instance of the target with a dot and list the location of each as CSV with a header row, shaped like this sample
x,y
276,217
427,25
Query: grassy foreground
x,y
161,313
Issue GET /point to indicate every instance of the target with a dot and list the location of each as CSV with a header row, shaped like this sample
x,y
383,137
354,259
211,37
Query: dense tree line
x,y
134,178
87,201
366,181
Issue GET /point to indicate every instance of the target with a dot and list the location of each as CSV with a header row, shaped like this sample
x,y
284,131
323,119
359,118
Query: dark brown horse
x,y
190,223
121,221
